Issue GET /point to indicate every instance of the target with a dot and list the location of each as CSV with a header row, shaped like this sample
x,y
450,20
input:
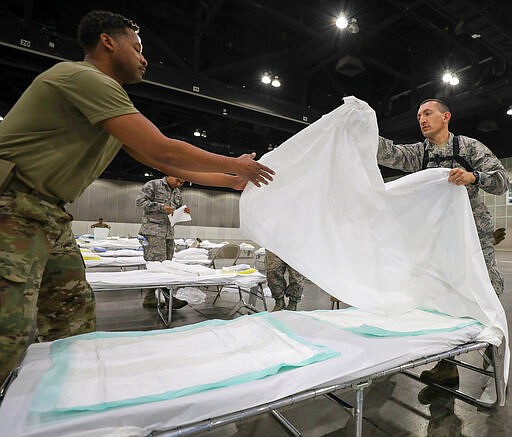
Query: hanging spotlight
x,y
203,133
266,78
509,110
341,22
276,82
197,133
447,77
147,174
450,78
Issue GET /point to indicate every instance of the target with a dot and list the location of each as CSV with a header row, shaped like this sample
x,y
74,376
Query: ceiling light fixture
x,y
203,133
347,23
341,22
266,78
509,110
197,133
276,83
451,78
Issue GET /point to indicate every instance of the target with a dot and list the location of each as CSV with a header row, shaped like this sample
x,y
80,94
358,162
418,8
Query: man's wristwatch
x,y
477,177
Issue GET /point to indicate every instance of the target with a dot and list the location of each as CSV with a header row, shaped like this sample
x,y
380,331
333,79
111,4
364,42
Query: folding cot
x,y
167,283
121,262
353,359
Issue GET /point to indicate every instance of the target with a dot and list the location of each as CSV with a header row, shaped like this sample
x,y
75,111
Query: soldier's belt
x,y
21,187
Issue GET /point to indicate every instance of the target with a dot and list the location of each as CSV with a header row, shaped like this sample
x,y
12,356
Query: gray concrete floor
x,y
392,405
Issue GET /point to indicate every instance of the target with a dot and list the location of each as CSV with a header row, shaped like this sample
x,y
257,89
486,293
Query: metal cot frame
x,y
494,363
359,386
255,292
165,292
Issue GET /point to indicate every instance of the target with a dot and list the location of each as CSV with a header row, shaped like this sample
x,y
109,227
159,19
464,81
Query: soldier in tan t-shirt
x,y
61,134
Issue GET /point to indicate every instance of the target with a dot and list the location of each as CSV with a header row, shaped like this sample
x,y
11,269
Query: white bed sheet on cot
x,y
120,252
354,361
113,243
118,261
145,278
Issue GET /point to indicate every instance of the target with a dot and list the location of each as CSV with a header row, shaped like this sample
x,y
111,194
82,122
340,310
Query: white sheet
x,y
118,261
121,252
179,268
191,253
354,361
111,243
106,370
415,322
390,248
145,278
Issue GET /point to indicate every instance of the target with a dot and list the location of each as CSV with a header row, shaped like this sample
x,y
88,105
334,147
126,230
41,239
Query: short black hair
x,y
97,22
443,107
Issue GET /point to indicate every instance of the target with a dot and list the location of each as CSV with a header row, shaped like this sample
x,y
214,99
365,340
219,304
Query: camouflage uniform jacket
x,y
153,196
493,179
409,158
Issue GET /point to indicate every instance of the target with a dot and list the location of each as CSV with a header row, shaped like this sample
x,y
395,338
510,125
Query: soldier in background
x,y
472,165
275,269
159,198
100,224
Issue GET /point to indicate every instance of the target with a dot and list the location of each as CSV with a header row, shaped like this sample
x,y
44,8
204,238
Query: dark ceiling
x,y
206,58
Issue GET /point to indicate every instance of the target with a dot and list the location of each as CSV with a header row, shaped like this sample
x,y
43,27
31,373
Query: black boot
x,y
280,304
444,373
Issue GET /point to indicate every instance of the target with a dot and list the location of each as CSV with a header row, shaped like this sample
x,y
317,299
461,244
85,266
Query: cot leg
x,y
358,413
286,423
260,288
166,318
169,308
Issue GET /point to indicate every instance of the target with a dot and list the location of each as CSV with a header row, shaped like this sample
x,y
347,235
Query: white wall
x,y
214,234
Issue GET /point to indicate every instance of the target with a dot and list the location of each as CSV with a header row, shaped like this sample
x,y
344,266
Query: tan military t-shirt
x,y
53,132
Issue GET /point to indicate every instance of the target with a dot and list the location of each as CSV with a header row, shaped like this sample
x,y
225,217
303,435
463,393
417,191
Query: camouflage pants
x,y
43,291
158,248
485,228
275,268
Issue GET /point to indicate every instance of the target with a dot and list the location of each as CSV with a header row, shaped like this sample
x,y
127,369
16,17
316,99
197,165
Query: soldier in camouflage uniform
x,y
159,198
275,269
60,136
485,172
43,291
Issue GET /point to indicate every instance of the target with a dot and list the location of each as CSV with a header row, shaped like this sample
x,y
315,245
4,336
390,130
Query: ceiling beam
x,y
469,29
431,26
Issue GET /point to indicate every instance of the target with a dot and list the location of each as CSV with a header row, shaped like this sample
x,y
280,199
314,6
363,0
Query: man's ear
x,y
107,41
447,116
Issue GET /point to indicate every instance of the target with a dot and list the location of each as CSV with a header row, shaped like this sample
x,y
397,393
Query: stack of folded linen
x,y
180,269
191,253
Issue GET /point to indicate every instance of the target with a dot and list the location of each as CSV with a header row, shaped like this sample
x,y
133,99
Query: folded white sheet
x,y
180,268
192,253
